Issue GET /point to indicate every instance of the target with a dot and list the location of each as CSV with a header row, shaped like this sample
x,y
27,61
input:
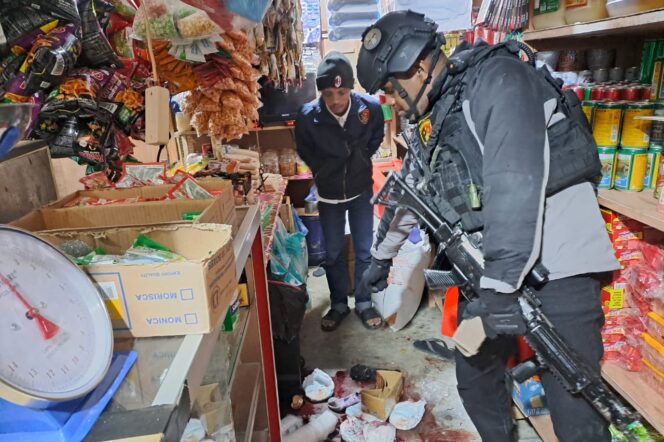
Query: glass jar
x,y
581,11
270,161
287,163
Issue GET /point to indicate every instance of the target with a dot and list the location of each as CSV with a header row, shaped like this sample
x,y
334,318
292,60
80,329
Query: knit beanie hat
x,y
334,71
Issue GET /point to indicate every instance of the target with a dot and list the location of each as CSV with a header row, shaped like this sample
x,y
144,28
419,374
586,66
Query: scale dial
x,y
56,339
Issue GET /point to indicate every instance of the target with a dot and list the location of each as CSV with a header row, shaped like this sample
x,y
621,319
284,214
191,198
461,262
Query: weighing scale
x,y
57,368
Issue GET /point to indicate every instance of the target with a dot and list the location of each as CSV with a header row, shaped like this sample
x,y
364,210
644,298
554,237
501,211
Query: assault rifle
x,y
463,252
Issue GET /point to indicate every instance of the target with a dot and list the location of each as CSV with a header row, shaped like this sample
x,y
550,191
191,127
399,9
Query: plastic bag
x,y
253,10
288,261
124,9
173,20
118,33
157,14
97,50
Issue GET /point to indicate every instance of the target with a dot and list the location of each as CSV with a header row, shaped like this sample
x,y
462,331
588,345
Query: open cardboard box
x,y
166,299
55,217
381,400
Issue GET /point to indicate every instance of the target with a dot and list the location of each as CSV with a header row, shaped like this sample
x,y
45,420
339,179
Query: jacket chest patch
x,y
424,130
364,116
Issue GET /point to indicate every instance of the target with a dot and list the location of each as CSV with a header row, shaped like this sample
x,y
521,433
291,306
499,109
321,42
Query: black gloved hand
x,y
375,276
500,313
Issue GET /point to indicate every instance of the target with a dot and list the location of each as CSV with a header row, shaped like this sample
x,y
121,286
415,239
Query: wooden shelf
x,y
631,386
640,206
626,25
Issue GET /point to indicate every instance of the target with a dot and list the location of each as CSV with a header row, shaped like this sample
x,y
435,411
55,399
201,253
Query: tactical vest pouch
x,y
573,153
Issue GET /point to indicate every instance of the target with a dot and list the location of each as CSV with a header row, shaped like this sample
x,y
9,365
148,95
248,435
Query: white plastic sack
x,y
399,302
318,386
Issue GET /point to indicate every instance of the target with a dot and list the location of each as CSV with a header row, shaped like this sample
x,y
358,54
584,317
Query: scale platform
x,y
66,422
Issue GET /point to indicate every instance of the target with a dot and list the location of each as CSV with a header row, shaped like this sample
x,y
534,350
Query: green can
x,y
652,167
607,156
588,107
630,169
647,59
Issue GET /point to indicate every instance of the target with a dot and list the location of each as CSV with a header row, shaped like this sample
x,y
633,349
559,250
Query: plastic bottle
x,y
315,431
581,11
549,14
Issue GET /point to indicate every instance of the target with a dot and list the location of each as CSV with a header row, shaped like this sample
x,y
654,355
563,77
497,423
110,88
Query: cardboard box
x,y
166,299
55,217
381,400
530,398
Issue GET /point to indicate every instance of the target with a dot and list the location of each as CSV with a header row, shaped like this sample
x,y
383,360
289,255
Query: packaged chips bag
x,y
78,93
97,50
92,138
49,61
17,23
122,101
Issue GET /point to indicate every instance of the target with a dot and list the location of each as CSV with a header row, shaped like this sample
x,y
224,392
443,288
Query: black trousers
x,y
574,308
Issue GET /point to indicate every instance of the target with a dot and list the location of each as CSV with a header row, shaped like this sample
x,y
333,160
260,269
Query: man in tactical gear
x,y
510,158
336,136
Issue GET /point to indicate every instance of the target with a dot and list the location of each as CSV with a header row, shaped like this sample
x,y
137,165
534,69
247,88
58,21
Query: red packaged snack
x,y
147,173
97,180
188,188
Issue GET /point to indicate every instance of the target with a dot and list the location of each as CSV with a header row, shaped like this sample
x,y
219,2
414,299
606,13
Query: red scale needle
x,y
46,327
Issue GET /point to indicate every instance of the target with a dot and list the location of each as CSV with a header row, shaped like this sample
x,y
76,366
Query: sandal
x,y
436,347
335,317
367,315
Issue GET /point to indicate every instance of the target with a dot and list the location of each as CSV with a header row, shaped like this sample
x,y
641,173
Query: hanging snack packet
x,y
193,23
62,146
124,9
92,138
123,102
118,33
16,23
97,50
58,8
9,67
78,94
157,14
51,58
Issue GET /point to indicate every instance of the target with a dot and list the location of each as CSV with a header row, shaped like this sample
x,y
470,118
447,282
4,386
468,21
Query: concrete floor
x,y
427,377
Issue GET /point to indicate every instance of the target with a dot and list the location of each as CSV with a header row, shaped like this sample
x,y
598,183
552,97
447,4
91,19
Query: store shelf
x,y
634,24
640,206
631,386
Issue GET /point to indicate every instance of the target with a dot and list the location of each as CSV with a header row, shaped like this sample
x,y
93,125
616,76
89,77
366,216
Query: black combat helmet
x,y
392,45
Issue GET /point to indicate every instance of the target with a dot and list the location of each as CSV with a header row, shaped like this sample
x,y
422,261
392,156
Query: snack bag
x,y
118,33
97,50
160,19
123,102
65,136
124,9
57,8
9,67
51,58
19,22
97,180
188,188
78,94
148,173
92,138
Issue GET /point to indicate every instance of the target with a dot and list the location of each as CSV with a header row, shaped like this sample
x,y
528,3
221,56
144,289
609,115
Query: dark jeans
x,y
333,222
573,306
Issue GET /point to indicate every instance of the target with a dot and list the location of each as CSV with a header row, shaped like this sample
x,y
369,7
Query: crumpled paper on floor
x,y
407,415
318,386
